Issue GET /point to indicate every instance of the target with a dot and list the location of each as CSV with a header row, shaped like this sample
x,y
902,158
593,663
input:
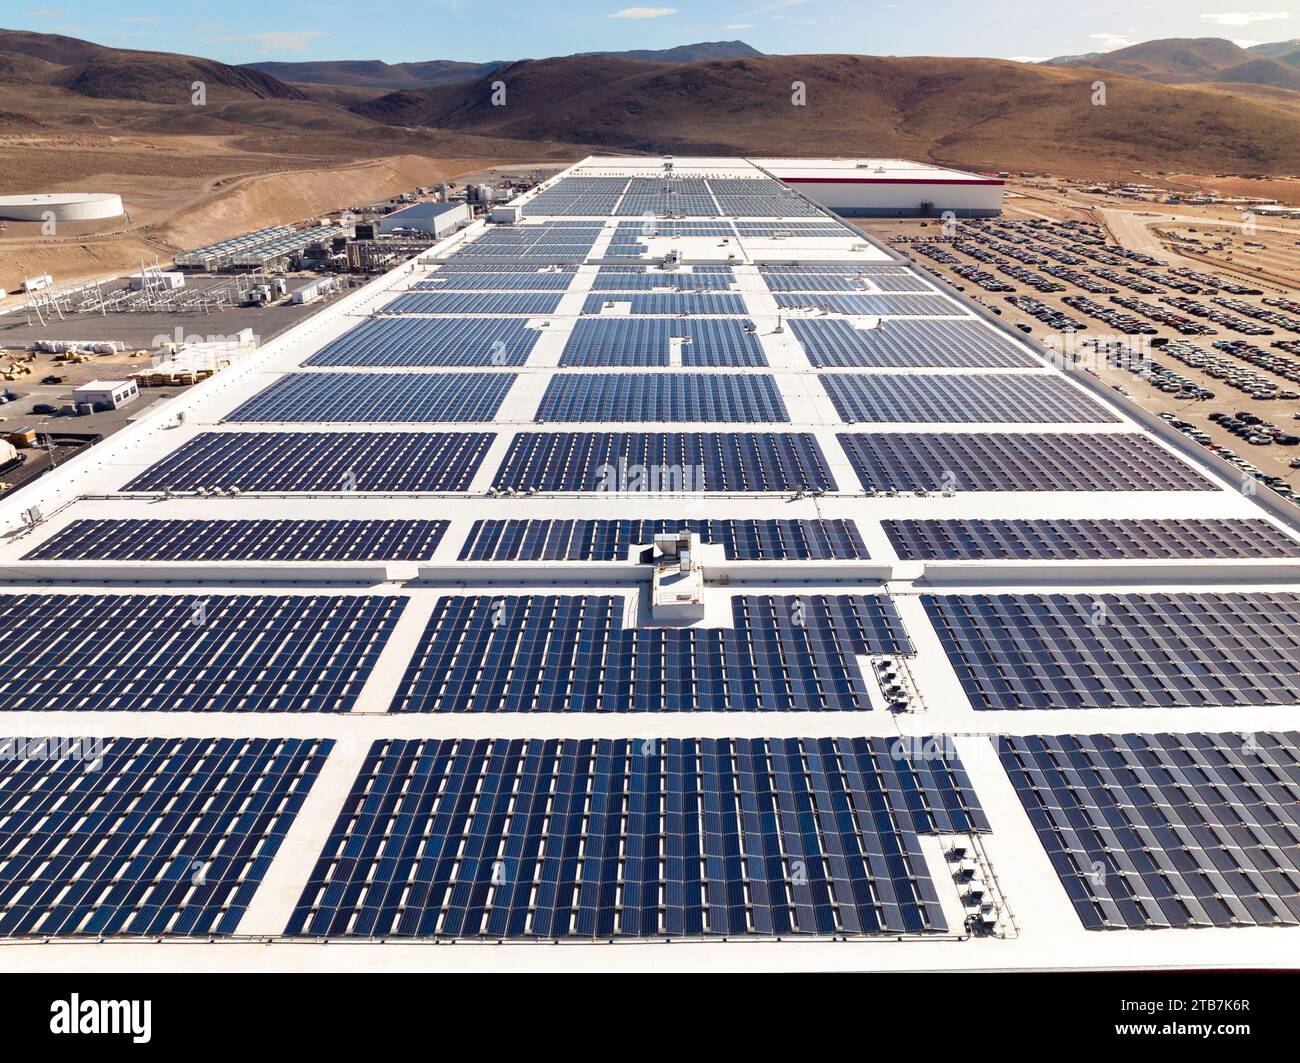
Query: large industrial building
x,y
674,564
888,188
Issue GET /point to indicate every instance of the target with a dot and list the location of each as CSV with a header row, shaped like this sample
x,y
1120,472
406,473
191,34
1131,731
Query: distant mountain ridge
x,y
687,53
973,111
94,70
377,74
1198,60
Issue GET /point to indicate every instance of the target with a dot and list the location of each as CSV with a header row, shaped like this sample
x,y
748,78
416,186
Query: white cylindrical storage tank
x,y
63,206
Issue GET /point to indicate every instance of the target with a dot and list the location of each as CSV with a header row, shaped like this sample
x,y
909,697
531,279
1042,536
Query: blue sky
x,y
239,31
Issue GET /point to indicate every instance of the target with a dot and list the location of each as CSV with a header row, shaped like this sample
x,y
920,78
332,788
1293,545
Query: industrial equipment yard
x,y
664,567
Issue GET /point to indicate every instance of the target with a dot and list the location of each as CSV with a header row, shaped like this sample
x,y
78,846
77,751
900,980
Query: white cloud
x,y
738,26
1027,58
1110,41
44,13
1244,18
277,40
644,12
1241,42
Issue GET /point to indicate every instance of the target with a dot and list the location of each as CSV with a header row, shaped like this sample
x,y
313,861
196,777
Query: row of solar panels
x,y
553,539
664,303
706,342
576,653
430,397
668,462
627,279
629,838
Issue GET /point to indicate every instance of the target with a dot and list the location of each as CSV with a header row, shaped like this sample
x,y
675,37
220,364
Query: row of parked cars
x,y
1277,483
1254,429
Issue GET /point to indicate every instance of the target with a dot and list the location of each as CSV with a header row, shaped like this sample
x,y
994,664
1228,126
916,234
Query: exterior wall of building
x,y
867,198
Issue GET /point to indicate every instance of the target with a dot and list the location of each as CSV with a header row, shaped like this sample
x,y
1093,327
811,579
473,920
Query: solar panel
x,y
695,397
627,838
961,344
557,653
144,836
1121,650
823,229
611,280
191,653
507,280
1076,540
1007,461
667,303
319,461
610,540
378,397
1019,398
1167,830
430,342
534,304
888,305
664,462
242,540
707,343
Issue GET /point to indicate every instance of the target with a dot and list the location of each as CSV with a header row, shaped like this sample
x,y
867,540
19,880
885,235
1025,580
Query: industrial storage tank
x,y
64,206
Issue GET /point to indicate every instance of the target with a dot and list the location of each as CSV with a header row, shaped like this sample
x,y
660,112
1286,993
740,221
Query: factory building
x,y
675,564
888,188
432,219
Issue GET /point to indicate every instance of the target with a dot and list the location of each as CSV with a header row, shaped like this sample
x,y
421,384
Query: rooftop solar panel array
x,y
684,204
190,653
430,342
610,540
1079,540
1007,461
572,206
672,228
534,304
507,280
711,343
243,540
823,229
668,303
766,206
664,462
907,344
627,838
620,280
630,397
378,397
557,653
155,836
1167,830
1019,398
319,461
1121,650
890,305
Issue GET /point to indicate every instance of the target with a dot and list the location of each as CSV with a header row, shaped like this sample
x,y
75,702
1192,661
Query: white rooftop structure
x,y
889,187
396,573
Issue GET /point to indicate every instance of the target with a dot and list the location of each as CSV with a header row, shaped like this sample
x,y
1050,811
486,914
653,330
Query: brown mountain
x,y
92,70
977,112
1198,60
375,73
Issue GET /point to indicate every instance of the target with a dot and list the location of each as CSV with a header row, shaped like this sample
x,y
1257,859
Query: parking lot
x,y
1203,346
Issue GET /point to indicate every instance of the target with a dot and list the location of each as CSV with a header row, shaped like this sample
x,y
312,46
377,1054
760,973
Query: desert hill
x,y
977,112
